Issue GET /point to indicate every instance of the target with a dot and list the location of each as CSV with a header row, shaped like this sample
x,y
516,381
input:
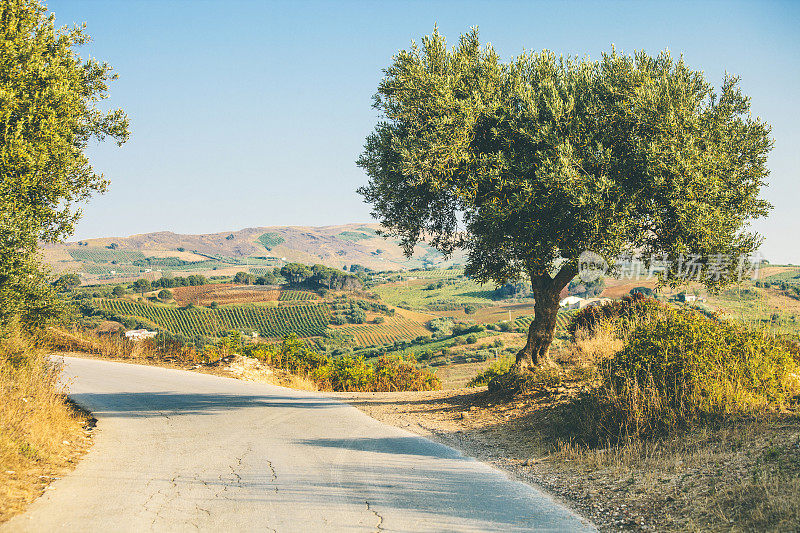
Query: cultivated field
x,y
395,328
306,320
225,293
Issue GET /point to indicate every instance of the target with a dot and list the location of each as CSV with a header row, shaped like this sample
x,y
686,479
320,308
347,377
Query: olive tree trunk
x,y
546,291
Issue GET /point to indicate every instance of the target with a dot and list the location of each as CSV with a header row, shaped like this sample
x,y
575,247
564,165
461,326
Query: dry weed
x,y
39,430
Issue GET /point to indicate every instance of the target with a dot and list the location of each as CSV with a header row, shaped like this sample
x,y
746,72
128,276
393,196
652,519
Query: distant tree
x,y
244,278
165,295
49,114
142,286
196,279
586,289
528,164
470,309
67,282
118,292
181,249
295,273
357,317
379,320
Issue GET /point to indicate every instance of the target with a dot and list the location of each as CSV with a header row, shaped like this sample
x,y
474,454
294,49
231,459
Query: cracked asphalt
x,y
182,451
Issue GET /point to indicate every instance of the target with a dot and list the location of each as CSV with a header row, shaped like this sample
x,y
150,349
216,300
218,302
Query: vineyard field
x,y
395,328
295,296
106,255
224,293
109,270
272,322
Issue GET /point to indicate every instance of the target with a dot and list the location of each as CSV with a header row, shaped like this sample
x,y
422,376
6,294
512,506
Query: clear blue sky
x,y
253,113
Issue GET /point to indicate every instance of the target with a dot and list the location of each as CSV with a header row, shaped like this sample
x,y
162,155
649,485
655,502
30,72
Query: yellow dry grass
x,y
41,434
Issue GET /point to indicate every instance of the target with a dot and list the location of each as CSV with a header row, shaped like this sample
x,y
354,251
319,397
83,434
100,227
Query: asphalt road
x,y
182,451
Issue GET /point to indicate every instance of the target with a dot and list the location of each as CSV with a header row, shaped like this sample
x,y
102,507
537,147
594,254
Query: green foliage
x,y
543,156
629,308
498,368
679,367
142,285
271,240
344,373
588,289
67,282
48,115
119,291
244,278
165,295
526,163
441,326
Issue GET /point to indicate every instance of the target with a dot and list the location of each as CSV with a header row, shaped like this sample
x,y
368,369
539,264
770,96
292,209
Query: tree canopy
x,y
529,163
48,114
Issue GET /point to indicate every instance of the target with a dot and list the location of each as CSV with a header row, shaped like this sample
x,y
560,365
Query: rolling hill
x,y
116,259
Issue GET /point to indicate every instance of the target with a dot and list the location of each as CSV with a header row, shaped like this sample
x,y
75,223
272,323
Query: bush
x,y
627,308
498,368
679,367
379,320
344,373
472,339
442,326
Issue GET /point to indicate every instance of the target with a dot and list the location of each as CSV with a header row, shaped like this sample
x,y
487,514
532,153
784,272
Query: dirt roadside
x,y
731,478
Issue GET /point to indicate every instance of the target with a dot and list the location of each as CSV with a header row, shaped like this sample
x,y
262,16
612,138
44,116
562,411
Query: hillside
x,y
114,259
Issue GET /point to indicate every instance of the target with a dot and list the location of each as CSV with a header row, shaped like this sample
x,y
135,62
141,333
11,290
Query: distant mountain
x,y
110,259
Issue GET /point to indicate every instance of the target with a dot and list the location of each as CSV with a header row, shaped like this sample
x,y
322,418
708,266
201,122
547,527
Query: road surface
x,y
183,451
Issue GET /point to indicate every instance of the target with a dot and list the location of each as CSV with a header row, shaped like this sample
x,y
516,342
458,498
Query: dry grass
x,y
742,475
41,433
249,369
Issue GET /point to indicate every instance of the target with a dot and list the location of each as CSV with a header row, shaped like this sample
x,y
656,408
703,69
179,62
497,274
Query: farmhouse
x,y
571,302
140,334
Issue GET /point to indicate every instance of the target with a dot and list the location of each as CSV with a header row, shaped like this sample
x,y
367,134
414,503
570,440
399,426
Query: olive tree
x,y
527,164
48,114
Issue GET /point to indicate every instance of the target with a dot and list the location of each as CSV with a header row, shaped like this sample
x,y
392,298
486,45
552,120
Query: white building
x,y
571,302
140,334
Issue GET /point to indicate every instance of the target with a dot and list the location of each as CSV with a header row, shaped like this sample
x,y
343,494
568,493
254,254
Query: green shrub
x,y
345,373
628,308
679,367
498,368
471,339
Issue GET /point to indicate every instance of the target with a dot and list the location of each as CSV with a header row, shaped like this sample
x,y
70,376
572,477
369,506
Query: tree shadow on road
x,y
155,404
